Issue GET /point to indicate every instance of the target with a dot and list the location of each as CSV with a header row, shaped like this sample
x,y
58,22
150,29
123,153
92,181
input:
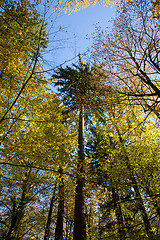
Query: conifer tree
x,y
80,88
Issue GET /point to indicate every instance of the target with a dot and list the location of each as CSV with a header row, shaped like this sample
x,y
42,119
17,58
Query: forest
x,y
80,148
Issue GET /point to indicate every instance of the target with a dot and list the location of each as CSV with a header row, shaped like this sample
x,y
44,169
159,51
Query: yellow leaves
x,y
156,9
70,6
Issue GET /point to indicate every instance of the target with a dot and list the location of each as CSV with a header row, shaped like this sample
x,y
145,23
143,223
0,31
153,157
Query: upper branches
x,y
131,53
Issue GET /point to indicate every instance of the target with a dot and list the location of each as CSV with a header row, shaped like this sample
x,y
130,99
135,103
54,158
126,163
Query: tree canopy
x,y
80,152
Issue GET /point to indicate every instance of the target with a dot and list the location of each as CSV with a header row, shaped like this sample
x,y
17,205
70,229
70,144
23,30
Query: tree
x,y
23,38
117,123
116,171
60,213
100,148
130,55
29,165
79,88
49,219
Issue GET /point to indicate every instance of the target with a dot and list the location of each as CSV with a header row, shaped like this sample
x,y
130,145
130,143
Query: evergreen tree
x,y
80,87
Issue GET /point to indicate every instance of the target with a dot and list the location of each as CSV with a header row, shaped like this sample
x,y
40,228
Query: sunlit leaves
x,y
75,5
130,54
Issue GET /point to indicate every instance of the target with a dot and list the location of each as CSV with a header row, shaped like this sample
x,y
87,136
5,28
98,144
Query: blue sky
x,y
76,29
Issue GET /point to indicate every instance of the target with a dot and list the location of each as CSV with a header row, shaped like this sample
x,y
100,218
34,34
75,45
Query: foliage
x,y
37,147
75,5
23,36
82,82
156,9
118,200
130,55
55,170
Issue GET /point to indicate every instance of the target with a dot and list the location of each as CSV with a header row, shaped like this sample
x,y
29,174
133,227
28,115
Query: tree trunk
x,y
18,210
47,230
60,214
79,232
119,216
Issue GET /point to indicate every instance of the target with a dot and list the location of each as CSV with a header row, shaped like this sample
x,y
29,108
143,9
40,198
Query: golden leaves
x,y
70,6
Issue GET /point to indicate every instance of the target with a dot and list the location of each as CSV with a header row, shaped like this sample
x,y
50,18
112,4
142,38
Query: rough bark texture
x,y
79,232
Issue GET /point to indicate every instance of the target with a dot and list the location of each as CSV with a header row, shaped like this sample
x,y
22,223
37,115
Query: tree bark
x,y
47,230
18,210
79,231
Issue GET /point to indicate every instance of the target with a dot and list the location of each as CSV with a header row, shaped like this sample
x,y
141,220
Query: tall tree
x,y
79,88
132,174
122,170
100,148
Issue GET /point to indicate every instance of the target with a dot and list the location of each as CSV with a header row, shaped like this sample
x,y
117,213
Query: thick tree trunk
x,y
47,229
79,232
142,209
119,216
60,214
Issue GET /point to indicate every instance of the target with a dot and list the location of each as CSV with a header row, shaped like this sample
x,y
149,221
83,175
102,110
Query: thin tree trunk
x,y
79,232
47,230
60,214
119,216
13,221
18,210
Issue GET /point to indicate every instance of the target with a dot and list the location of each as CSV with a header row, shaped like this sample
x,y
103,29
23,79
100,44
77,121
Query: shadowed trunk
x,y
18,210
79,232
47,230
